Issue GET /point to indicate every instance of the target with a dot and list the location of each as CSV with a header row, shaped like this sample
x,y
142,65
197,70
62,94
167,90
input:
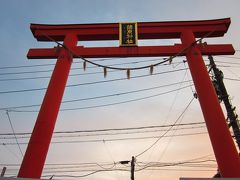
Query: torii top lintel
x,y
146,30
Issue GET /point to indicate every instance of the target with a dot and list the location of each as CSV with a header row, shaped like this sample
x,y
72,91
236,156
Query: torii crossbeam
x,y
225,153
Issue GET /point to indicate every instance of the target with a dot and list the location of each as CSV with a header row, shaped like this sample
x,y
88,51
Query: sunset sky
x,y
75,154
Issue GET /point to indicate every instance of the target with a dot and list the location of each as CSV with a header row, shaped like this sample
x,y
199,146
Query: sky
x,y
99,150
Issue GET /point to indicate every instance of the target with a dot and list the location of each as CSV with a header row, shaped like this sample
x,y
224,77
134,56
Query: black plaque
x,y
128,34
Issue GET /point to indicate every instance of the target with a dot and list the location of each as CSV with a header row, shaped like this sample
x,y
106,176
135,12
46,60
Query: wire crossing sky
x,y
113,102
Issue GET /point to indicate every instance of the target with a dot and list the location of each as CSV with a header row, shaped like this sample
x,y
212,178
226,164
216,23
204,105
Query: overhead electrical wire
x,y
108,104
167,117
79,135
158,165
171,107
232,79
91,83
73,168
51,64
64,176
60,165
86,73
153,167
9,150
77,68
134,62
137,170
227,62
44,77
110,155
230,57
100,97
95,82
185,109
197,159
8,116
82,168
164,164
100,164
76,62
163,169
79,74
112,129
228,66
115,139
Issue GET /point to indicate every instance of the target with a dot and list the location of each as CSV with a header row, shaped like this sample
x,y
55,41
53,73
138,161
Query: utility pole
x,y
3,171
223,96
132,167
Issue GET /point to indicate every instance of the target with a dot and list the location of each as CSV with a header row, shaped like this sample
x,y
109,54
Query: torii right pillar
x,y
223,146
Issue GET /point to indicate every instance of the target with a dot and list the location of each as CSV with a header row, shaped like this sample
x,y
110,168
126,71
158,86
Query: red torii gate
x,y
225,151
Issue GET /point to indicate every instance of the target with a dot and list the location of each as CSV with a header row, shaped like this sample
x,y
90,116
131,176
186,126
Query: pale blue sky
x,y
16,39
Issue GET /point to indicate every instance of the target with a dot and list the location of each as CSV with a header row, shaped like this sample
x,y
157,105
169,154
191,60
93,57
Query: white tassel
x,y
170,60
105,72
151,69
128,73
84,65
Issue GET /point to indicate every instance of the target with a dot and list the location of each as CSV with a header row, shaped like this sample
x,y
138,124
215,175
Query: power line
x,y
13,153
82,167
151,169
230,57
120,169
91,83
99,97
167,165
114,129
44,77
98,82
51,64
134,62
125,168
117,139
170,139
67,165
109,153
166,131
80,74
227,62
164,164
74,134
228,66
232,79
80,176
77,68
99,164
108,104
26,66
14,133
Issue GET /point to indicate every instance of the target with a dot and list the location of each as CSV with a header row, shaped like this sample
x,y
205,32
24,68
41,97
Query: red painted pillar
x,y
224,149
34,159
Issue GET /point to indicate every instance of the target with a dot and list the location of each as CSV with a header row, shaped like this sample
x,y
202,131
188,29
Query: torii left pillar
x,y
43,130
